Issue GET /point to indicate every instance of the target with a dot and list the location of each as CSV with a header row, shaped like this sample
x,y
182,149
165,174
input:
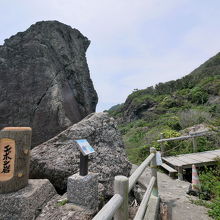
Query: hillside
x,y
170,108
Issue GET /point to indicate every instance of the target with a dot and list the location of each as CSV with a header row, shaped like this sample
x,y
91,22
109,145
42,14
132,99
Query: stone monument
x,y
14,158
20,198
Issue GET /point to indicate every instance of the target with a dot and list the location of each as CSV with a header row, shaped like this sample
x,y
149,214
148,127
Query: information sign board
x,y
85,147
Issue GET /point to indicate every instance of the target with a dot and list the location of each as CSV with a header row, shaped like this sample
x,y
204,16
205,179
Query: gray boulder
x,y
58,158
44,80
26,203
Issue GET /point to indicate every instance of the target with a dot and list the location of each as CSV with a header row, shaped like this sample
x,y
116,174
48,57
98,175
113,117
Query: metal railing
x,y
117,206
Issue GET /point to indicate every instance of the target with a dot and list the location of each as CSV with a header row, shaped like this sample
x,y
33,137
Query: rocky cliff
x,y
44,79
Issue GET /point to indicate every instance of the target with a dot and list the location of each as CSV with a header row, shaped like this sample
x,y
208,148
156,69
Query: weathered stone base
x,y
26,203
83,190
59,208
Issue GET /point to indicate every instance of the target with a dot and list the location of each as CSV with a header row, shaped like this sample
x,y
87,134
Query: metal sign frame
x,y
85,150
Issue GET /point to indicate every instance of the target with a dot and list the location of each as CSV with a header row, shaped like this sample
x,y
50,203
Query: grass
x,y
62,202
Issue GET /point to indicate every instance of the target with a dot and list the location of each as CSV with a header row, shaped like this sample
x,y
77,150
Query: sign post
x,y
83,167
83,184
15,145
85,149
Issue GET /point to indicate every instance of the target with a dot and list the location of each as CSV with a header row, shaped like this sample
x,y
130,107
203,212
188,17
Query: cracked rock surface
x,y
68,211
44,80
58,158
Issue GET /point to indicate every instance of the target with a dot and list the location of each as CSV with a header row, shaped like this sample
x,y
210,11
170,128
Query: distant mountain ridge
x,y
210,70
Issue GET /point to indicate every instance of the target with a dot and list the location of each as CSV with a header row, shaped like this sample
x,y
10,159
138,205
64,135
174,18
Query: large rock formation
x,y
58,158
44,80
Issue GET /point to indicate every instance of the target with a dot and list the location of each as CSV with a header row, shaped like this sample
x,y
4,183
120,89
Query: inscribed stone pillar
x,y
15,145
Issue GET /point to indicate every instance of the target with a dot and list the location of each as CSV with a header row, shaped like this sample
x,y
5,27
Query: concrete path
x,y
173,193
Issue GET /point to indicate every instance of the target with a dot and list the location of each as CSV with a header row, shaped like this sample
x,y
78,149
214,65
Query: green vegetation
x,y
172,108
210,185
62,202
169,111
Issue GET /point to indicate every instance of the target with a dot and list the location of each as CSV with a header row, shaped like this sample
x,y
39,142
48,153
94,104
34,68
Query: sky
x,y
134,43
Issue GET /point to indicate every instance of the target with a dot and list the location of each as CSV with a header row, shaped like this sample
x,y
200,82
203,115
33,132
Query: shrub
x,y
210,180
138,154
136,136
213,87
148,100
173,122
215,109
140,123
210,184
184,93
198,95
115,110
172,101
150,116
191,117
207,143
215,209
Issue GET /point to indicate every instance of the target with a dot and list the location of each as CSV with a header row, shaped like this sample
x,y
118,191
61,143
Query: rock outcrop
x,y
44,80
58,158
26,203
55,210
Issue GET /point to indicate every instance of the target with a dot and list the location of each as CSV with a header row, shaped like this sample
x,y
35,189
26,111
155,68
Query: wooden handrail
x,y
108,211
137,173
143,206
191,135
117,206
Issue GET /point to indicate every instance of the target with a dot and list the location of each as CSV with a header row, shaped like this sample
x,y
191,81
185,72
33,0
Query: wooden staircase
x,y
172,172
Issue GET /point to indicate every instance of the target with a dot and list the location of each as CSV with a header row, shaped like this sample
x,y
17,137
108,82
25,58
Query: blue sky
x,y
134,44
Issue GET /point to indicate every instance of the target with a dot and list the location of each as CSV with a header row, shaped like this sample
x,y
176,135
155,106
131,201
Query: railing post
x,y
194,144
153,166
121,188
180,173
162,146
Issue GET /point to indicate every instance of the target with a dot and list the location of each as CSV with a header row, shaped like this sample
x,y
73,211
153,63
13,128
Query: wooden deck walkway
x,y
184,161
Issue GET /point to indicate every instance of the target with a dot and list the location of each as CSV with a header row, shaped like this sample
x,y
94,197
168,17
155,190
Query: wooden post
x,y
153,166
162,146
194,144
180,173
15,145
121,188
